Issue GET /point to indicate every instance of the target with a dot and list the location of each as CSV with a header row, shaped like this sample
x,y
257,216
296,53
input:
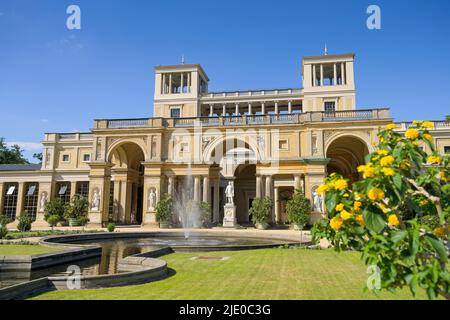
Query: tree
x,y
298,209
38,156
397,216
261,210
12,155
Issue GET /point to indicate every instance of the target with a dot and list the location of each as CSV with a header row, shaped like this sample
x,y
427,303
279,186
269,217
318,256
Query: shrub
x,y
54,207
205,217
53,220
77,208
261,210
164,209
3,223
298,209
25,222
111,227
381,215
83,220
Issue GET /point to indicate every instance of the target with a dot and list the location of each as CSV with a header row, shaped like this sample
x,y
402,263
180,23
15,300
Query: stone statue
x,y
229,193
317,202
43,201
96,200
152,200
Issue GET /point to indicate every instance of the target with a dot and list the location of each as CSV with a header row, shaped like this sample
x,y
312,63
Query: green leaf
x,y
398,235
331,202
438,246
398,183
374,221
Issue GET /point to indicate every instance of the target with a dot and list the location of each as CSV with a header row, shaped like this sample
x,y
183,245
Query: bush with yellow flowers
x,y
397,215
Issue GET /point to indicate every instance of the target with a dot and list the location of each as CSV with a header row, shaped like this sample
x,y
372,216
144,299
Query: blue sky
x,y
57,80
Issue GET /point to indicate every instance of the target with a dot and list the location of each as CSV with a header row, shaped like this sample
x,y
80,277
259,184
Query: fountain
x,y
186,209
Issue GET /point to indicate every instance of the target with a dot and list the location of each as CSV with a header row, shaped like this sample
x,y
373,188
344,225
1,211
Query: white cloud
x,y
28,146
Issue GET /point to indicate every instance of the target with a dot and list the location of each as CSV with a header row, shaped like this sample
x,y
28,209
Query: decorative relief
x,y
315,150
206,141
261,142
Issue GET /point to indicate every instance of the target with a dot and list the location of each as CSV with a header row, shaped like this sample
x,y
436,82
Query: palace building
x,y
268,142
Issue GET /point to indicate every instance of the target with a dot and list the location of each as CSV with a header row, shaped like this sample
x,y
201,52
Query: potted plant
x,y
54,208
25,222
53,220
298,209
164,210
261,212
76,210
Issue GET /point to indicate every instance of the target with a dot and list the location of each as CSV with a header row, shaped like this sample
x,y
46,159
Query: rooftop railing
x,y
438,125
245,120
250,93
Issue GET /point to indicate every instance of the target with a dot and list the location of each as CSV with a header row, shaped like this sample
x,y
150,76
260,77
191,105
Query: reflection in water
x,y
113,251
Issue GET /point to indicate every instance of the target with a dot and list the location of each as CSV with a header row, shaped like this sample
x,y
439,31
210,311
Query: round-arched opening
x,y
126,188
245,190
346,154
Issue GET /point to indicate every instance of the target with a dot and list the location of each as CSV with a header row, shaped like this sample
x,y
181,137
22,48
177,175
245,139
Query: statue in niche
x,y
152,199
229,193
96,200
43,201
317,202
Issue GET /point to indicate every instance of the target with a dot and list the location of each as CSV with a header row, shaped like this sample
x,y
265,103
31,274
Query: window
x,y
86,157
175,112
83,188
65,158
10,201
31,199
446,149
330,106
63,191
283,144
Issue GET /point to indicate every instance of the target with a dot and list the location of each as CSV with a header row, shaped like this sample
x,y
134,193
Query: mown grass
x,y
256,274
24,250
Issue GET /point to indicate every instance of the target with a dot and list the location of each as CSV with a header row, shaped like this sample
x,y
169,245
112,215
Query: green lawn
x,y
24,250
257,274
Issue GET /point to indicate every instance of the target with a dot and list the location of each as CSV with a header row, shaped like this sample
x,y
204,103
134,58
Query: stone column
x,y
263,108
73,188
216,209
181,83
289,106
269,186
170,83
20,199
189,82
249,108
276,203
297,182
99,180
276,107
321,74
314,75
342,73
258,187
237,109
211,109
224,110
206,190
335,74
197,188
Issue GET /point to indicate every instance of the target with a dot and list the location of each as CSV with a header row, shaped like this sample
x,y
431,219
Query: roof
x,y
20,167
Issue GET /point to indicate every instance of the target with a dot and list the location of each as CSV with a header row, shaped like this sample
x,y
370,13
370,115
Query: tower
x,y
177,90
328,82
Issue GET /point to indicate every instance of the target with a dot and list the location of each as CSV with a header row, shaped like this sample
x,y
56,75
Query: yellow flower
x,y
333,174
383,152
346,195
357,205
434,159
336,223
391,126
405,164
439,232
388,172
428,124
384,208
346,215
361,168
428,136
340,184
340,207
369,172
375,194
322,189
423,202
386,161
393,220
444,176
360,219
412,134
357,196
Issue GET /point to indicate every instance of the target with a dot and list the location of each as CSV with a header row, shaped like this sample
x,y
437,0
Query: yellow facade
x,y
268,142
